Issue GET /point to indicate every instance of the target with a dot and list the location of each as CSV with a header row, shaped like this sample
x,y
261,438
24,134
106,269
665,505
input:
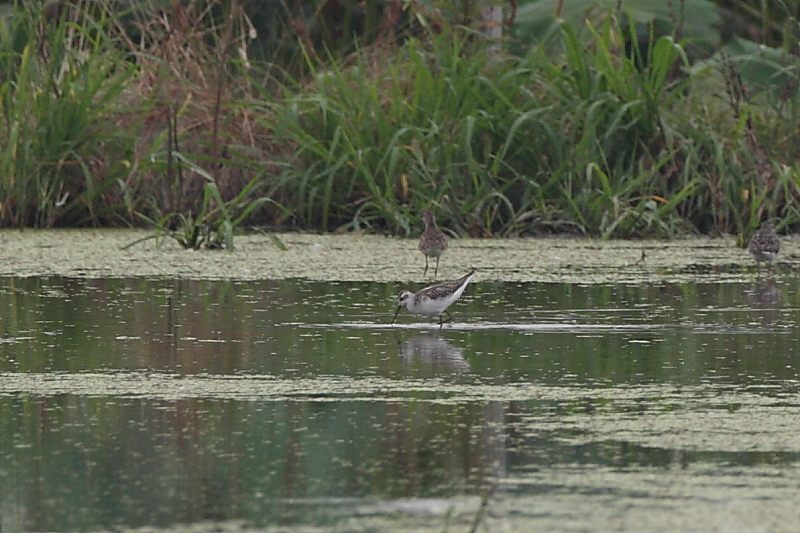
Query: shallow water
x,y
290,405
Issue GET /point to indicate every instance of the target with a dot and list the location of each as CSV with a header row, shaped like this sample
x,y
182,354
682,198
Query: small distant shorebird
x,y
764,245
433,242
433,300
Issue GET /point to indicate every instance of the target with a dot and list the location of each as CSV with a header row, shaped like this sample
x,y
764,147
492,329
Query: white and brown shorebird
x,y
433,300
764,245
433,241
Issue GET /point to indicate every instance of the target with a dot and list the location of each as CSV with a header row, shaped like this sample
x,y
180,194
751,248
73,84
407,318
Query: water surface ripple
x,y
277,405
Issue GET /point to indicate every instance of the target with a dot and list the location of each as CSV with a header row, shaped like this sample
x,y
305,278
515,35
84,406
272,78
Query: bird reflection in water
x,y
434,352
765,294
433,355
766,298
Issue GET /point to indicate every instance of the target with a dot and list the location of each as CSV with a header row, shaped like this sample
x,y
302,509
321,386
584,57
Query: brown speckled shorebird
x,y
764,245
433,242
433,300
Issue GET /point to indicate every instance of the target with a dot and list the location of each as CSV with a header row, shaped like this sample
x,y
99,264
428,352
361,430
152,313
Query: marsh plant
x,y
106,115
615,129
61,84
584,139
213,226
612,125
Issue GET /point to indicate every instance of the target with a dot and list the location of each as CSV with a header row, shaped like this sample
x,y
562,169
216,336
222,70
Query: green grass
x,y
373,146
57,97
583,141
584,133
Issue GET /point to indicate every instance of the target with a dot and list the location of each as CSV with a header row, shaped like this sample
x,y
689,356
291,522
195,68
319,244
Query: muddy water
x,y
292,405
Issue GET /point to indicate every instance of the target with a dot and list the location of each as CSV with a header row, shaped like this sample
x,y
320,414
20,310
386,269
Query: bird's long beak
x,y
395,313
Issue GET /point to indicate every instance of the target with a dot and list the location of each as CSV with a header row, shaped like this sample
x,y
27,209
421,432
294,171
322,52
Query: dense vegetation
x,y
623,123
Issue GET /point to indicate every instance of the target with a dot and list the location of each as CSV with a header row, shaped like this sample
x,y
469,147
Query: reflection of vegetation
x,y
609,121
291,419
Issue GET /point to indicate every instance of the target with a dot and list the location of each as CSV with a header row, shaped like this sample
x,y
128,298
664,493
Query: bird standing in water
x,y
433,241
433,300
764,245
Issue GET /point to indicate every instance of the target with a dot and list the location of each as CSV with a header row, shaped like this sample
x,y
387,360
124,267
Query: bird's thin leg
x,y
437,267
426,266
449,318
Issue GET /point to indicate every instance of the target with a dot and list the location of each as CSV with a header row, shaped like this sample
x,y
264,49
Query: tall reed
x,y
61,80
607,131
594,139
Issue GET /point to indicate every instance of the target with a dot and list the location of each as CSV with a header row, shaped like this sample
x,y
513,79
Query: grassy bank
x,y
114,117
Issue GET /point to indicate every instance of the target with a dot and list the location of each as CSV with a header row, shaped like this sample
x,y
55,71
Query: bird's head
x,y
404,298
